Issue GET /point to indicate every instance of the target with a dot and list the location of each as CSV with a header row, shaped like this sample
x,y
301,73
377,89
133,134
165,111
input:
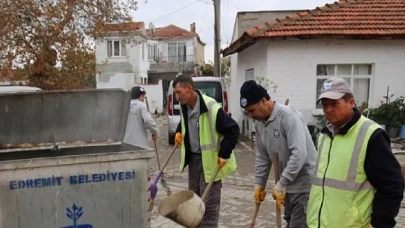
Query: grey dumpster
x,y
63,162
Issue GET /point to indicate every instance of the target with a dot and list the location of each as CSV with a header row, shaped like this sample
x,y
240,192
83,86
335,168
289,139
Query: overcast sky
x,y
184,12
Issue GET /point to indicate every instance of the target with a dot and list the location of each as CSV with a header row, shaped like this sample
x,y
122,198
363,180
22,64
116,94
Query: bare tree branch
x,y
39,33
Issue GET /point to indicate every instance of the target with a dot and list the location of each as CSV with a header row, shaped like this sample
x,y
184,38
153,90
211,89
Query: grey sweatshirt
x,y
285,132
139,121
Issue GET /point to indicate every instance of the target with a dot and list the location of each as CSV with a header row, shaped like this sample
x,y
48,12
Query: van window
x,y
212,89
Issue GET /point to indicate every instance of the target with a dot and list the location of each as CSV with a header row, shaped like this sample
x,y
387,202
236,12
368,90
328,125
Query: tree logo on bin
x,y
74,214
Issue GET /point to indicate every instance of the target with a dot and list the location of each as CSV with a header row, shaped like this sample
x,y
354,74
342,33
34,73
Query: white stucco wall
x,y
233,86
154,94
117,81
291,65
244,62
137,56
143,60
140,66
133,54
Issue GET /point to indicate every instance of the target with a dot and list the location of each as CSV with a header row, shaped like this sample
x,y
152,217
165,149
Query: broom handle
x,y
154,141
211,182
170,156
277,178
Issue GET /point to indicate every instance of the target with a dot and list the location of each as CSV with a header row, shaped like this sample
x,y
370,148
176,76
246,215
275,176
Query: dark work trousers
x,y
197,184
295,210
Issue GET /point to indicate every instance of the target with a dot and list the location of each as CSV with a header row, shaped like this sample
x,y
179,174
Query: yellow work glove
x,y
178,138
278,194
222,162
260,193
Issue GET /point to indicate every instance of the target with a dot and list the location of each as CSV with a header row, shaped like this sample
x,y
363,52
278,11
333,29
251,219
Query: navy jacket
x,y
384,173
224,125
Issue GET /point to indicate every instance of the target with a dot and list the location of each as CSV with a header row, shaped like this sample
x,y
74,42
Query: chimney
x,y
192,27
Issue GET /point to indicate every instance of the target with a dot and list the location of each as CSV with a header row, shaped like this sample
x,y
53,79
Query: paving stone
x,y
237,206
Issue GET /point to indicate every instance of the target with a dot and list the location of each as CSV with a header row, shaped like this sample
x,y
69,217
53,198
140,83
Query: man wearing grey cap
x,y
139,120
358,181
280,128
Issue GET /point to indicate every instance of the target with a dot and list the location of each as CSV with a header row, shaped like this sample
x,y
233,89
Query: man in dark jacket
x,y
358,181
210,135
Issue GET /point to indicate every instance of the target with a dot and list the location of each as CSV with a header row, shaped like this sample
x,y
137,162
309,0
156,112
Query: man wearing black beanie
x,y
280,128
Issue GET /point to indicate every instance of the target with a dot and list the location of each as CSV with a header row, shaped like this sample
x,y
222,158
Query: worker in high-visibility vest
x,y
281,128
358,181
210,136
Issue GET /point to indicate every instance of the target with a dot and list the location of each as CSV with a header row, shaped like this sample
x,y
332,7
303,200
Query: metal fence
x,y
173,59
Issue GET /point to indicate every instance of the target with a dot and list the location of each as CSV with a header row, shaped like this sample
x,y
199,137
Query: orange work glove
x,y
260,193
178,138
222,162
278,194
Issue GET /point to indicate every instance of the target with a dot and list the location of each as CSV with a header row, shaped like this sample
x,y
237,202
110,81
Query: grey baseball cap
x,y
334,88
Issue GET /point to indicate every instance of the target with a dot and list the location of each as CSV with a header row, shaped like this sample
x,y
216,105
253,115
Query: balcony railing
x,y
172,59
172,63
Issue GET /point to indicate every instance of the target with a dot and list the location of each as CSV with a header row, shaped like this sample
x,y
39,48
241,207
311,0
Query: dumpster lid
x,y
69,117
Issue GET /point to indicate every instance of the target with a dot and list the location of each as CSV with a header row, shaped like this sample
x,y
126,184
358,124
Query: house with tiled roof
x,y
128,53
120,55
244,21
362,41
171,50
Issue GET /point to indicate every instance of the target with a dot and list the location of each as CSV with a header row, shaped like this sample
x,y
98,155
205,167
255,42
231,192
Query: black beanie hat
x,y
137,91
251,93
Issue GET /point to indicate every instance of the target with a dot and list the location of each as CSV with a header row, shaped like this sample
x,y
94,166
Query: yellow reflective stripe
x,y
342,185
213,144
354,163
320,149
350,182
208,147
323,139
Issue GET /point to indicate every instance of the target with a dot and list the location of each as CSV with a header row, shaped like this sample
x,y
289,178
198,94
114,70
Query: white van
x,y
211,86
18,89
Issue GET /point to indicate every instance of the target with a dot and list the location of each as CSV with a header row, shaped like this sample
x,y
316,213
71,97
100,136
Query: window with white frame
x,y
177,52
152,52
116,48
250,74
357,75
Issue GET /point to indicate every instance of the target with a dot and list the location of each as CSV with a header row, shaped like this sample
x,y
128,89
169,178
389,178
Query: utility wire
x,y
206,2
234,5
182,8
226,23
203,19
206,27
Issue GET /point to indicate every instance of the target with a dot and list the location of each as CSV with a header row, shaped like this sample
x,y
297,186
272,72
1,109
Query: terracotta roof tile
x,y
345,17
124,27
352,17
169,32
